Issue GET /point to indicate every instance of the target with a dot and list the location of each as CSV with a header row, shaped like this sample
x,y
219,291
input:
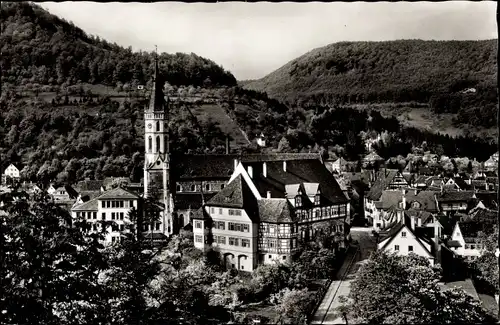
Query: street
x,y
363,245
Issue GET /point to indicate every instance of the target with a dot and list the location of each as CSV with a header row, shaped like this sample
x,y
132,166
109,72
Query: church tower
x,y
157,155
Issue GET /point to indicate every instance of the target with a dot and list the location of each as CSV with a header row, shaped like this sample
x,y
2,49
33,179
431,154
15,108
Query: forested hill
x,y
431,72
41,48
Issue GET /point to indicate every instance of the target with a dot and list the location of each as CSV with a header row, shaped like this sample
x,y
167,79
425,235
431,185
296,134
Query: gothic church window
x,y
157,126
158,143
150,144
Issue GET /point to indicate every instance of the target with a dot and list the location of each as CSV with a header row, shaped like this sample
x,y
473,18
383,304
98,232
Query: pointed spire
x,y
156,102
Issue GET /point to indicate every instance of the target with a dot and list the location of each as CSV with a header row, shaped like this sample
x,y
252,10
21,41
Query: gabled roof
x,y
118,193
190,166
276,211
91,205
461,183
470,229
248,158
297,172
455,196
237,194
489,199
70,190
425,198
405,223
201,214
383,179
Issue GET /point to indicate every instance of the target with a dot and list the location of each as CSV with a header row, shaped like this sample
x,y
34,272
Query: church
x,y
253,208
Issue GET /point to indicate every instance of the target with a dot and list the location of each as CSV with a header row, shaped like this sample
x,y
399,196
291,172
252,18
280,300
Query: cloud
x,y
253,39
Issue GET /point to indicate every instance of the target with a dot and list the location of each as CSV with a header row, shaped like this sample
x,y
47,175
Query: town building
x,y
268,208
492,163
11,173
112,206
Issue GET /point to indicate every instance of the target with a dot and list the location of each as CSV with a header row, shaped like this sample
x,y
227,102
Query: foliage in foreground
x,y
393,289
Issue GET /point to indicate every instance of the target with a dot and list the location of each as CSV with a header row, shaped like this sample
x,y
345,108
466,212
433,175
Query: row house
x,y
268,208
112,206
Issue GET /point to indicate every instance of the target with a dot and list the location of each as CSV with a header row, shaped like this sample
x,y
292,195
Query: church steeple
x,y
157,100
156,158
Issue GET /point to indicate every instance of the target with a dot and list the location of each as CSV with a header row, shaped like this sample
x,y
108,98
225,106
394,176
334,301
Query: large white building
x,y
112,206
11,172
268,208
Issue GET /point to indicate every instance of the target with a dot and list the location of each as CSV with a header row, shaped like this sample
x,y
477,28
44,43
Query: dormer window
x,y
317,199
298,201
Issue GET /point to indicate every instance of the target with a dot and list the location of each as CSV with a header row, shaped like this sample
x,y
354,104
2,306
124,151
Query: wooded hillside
x,y
39,48
433,72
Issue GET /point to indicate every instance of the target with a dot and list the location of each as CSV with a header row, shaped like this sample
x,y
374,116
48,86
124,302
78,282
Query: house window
x,y
242,267
104,216
198,238
121,215
157,226
131,204
220,211
221,186
298,201
270,256
193,188
472,246
221,240
396,247
403,234
197,224
103,204
245,242
317,199
94,215
246,228
410,248
207,187
284,257
212,210
178,188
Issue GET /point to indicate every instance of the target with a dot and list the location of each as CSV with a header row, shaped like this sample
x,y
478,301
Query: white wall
x,y
404,242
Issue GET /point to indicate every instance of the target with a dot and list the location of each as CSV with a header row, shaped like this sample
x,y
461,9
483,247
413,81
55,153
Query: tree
x,y
292,305
404,289
50,271
485,267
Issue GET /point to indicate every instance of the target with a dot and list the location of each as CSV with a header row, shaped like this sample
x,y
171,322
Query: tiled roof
x,y
470,229
461,183
425,198
297,172
276,211
91,205
203,166
455,196
182,201
118,193
247,158
390,198
383,179
89,195
425,217
236,194
201,214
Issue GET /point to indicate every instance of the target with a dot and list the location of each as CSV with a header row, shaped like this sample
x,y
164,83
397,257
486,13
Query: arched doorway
x,y
229,261
241,262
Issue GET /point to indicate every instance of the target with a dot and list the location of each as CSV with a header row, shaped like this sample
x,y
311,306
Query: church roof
x,y
190,166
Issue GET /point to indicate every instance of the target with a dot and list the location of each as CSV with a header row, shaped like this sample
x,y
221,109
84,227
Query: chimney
x,y
250,171
419,221
284,166
264,169
442,188
227,145
268,194
235,163
412,223
416,192
404,201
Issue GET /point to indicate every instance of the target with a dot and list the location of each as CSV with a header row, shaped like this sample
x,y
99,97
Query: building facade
x,y
268,208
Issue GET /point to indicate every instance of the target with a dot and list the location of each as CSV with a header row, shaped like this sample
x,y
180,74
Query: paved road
x,y
355,257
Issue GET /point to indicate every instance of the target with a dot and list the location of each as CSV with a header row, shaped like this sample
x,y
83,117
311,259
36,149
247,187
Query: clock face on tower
x,y
150,126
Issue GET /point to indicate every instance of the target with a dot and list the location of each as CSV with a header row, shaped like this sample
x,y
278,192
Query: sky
x,y
253,39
